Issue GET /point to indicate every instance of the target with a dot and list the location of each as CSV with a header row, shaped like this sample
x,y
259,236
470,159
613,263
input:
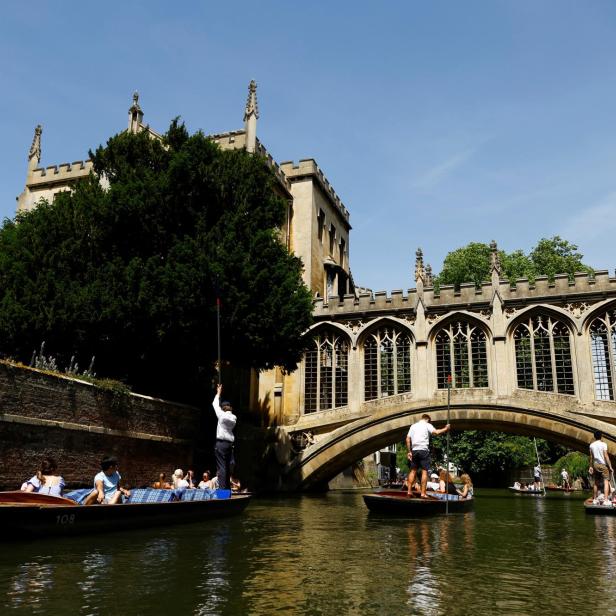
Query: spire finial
x,y
495,258
35,148
429,280
419,266
135,115
252,107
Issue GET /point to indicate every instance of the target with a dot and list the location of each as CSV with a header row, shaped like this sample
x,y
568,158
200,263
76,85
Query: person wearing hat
x,y
223,450
433,484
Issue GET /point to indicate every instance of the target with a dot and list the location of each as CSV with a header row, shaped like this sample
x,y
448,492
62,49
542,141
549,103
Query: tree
x,y
130,273
549,257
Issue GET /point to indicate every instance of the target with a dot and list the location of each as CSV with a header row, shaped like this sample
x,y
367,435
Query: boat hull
x,y
526,492
398,503
598,509
21,520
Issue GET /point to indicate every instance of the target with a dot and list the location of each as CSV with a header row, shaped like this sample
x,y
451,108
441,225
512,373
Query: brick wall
x,y
77,424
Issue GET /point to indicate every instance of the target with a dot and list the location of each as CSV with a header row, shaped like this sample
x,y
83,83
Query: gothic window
x,y
461,352
332,239
320,225
543,355
603,347
326,365
387,363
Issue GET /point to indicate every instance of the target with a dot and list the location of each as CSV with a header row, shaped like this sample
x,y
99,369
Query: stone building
x,y
316,228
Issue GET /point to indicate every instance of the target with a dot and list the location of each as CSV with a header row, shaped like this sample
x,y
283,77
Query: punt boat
x,y
25,515
598,509
526,492
400,503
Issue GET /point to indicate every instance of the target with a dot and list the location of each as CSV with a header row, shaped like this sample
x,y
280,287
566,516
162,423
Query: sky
x,y
437,123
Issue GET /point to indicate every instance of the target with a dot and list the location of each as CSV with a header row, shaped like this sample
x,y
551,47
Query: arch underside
x,y
324,460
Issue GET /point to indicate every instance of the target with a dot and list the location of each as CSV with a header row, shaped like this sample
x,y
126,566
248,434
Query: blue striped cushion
x,y
150,495
198,495
78,495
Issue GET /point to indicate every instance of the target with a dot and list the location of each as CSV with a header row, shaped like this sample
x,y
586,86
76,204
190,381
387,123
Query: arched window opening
x,y
326,364
603,347
543,355
461,352
387,363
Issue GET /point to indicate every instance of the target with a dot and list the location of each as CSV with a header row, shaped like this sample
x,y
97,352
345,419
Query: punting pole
x,y
539,464
447,447
219,365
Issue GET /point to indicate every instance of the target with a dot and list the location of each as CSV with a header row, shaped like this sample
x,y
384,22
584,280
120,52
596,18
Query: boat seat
x,y
150,495
198,495
78,495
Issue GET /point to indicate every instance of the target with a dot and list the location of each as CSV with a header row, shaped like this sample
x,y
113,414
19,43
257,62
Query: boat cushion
x,y
150,495
198,495
78,495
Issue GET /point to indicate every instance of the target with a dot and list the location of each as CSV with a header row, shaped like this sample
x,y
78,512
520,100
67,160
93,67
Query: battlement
x,y
582,286
308,167
59,174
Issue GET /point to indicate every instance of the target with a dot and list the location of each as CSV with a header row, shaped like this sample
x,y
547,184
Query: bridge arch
x,y
326,458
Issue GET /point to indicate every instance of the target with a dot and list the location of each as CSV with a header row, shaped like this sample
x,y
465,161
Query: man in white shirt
x,y
418,446
565,479
224,439
537,477
600,466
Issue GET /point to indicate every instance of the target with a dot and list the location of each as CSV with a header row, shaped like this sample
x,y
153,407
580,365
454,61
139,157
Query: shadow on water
x,y
324,554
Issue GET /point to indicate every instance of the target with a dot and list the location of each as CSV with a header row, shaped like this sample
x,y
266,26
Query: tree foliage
x,y
549,257
576,464
130,272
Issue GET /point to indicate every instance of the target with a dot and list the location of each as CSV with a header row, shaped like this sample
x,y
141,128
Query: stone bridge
x,y
532,359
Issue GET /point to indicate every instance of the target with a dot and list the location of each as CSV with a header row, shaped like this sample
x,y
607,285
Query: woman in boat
x,y
446,482
179,483
467,486
46,480
162,483
205,481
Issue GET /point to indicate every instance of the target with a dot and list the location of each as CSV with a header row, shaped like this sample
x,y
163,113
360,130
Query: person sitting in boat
x,y
236,486
46,480
446,483
205,481
179,483
467,486
190,478
433,484
162,483
517,485
523,486
107,489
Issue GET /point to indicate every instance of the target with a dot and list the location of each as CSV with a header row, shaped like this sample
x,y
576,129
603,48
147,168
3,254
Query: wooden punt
x,y
598,509
399,503
526,492
558,489
25,515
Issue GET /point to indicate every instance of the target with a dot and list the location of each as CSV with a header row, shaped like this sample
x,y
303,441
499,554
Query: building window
x,y
461,352
543,355
320,225
332,239
342,251
603,347
387,363
326,380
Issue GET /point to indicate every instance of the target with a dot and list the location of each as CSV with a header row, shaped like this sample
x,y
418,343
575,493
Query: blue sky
x,y
438,123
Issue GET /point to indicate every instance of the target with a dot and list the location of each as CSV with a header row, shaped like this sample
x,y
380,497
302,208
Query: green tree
x,y
576,464
130,272
557,256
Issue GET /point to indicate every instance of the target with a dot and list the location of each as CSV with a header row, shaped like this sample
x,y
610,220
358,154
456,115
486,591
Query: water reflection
x,y
327,555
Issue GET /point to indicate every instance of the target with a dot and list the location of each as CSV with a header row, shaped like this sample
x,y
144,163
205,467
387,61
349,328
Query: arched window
x,y
603,346
387,363
326,380
461,352
543,355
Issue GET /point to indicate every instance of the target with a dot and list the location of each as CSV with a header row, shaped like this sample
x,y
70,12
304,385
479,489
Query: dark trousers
x,y
223,451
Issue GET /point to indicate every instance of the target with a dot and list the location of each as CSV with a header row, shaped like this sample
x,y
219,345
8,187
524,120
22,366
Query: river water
x,y
327,555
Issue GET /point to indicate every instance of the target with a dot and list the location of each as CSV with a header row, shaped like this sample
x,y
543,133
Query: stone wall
x,y
78,424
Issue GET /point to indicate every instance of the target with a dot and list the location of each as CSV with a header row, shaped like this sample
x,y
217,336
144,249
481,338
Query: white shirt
x,y
537,471
419,434
564,474
226,422
598,449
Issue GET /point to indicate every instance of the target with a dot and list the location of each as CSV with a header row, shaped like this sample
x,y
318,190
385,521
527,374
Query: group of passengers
x,y
443,482
107,487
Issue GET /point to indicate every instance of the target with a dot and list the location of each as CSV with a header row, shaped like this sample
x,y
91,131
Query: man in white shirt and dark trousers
x,y
600,467
223,449
418,445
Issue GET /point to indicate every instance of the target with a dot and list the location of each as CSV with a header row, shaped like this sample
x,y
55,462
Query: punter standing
x,y
418,445
224,439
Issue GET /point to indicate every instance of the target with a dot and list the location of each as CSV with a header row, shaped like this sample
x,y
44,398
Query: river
x,y
326,554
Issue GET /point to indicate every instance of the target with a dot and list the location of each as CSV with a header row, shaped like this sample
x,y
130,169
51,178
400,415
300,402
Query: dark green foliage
x,y
130,273
549,257
576,463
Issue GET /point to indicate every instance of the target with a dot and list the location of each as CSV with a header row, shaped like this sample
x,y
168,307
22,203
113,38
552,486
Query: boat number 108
x,y
65,519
